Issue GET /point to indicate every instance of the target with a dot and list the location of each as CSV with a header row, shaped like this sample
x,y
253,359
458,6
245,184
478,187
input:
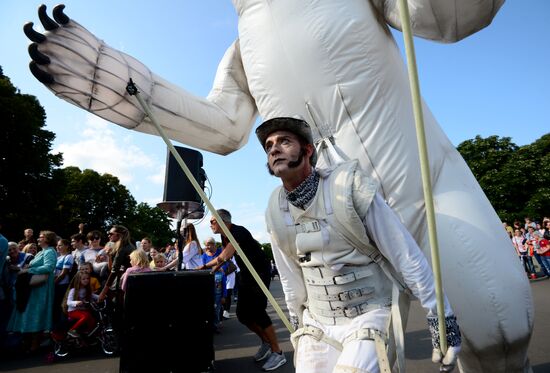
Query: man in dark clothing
x,y
252,303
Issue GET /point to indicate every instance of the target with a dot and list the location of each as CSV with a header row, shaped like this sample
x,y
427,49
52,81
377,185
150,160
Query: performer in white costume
x,y
335,63
338,282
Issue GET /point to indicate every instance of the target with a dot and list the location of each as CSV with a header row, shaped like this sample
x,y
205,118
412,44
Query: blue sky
x,y
496,82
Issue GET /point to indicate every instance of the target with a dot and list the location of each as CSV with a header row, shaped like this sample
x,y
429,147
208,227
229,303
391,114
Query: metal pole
x,y
132,90
179,236
424,167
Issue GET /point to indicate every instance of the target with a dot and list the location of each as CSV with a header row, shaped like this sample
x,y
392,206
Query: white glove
x,y
448,361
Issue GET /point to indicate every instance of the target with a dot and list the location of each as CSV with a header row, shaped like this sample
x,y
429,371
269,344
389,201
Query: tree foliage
x,y
268,250
97,200
26,164
151,222
515,179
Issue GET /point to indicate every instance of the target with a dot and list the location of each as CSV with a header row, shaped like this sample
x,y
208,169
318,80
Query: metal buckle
x,y
376,257
351,312
346,276
307,227
343,296
305,258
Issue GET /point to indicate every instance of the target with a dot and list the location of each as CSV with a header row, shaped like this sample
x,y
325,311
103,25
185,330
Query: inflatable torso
x,y
335,65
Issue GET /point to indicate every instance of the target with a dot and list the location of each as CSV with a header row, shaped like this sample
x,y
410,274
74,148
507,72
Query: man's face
x,y
215,226
210,247
145,245
76,244
285,154
28,233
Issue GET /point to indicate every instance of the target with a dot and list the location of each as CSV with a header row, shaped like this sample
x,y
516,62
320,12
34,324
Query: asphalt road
x,y
235,345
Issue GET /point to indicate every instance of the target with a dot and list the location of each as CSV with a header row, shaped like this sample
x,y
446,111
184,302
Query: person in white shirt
x,y
343,258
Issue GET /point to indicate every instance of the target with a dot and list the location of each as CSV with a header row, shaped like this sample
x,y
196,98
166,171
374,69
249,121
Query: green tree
x,y
268,250
26,164
97,200
515,179
151,222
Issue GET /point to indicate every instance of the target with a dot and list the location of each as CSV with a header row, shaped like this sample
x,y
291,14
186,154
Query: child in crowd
x,y
30,249
87,267
63,268
152,253
159,261
139,263
74,303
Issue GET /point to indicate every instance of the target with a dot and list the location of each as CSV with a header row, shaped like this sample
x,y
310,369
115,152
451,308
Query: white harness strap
x,y
316,333
380,341
364,292
314,276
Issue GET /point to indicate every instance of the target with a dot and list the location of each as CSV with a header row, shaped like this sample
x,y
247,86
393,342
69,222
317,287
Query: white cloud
x,y
105,150
158,178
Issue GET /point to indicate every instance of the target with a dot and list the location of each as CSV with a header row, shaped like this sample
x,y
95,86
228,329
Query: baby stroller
x,y
102,334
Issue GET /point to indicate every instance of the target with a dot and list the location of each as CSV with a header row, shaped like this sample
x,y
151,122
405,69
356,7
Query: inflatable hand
x,y
83,70
454,340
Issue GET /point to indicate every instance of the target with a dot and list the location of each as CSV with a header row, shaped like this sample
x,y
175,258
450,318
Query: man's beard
x,y
291,164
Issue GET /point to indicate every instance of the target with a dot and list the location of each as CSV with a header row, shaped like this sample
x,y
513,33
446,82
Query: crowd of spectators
x,y
46,281
531,240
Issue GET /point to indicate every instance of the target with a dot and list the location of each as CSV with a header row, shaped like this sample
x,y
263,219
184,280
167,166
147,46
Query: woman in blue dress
x,y
35,317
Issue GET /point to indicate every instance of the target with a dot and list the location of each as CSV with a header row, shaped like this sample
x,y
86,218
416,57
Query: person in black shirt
x,y
252,303
119,262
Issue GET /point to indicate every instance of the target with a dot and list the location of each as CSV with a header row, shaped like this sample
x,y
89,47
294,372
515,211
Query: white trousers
x,y
357,356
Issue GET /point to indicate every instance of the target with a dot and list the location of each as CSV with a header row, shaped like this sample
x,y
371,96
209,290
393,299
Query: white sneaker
x,y
274,361
226,315
263,352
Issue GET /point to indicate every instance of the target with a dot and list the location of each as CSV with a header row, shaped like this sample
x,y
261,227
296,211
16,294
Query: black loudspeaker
x,y
177,188
181,200
168,313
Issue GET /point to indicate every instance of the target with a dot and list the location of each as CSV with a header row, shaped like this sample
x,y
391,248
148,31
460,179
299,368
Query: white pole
x,y
424,168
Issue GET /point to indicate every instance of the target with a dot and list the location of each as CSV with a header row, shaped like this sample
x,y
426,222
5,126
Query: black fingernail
x,y
32,34
48,23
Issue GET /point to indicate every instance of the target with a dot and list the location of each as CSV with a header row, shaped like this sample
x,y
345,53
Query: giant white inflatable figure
x,y
334,63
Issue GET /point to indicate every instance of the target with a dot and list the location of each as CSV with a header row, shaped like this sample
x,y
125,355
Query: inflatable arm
x,y
447,21
83,70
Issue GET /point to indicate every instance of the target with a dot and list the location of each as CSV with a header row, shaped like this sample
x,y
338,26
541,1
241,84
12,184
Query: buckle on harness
x,y
351,312
307,227
344,279
347,295
305,258
376,257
